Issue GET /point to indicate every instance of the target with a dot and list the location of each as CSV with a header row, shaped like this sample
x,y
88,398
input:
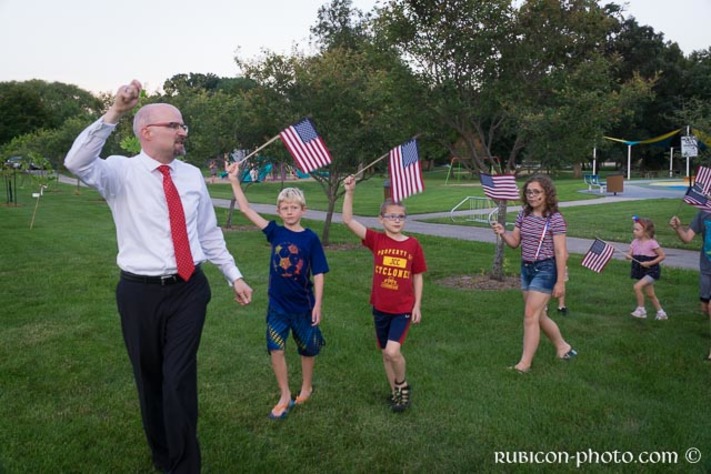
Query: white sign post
x,y
689,149
689,146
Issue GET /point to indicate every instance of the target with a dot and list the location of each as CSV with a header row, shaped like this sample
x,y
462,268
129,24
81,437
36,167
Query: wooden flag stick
x,y
380,159
376,161
618,250
34,213
369,165
271,140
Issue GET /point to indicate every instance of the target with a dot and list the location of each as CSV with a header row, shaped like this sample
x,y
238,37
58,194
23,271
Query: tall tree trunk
x,y
228,224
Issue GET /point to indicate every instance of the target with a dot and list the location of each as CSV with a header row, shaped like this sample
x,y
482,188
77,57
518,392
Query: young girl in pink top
x,y
646,254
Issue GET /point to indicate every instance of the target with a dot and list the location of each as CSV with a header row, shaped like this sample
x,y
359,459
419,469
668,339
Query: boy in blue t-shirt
x,y
294,300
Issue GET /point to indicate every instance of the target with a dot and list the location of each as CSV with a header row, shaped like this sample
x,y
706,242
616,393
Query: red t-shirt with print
x,y
394,264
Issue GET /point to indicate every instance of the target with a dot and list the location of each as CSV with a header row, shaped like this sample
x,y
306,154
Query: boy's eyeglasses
x,y
395,217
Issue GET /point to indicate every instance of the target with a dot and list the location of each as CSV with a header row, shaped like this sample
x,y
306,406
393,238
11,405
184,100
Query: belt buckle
x,y
165,279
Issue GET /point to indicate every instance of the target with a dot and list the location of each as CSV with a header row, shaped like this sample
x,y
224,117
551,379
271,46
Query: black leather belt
x,y
526,262
162,280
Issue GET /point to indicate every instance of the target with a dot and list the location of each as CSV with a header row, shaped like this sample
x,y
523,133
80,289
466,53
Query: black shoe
x,y
393,397
563,310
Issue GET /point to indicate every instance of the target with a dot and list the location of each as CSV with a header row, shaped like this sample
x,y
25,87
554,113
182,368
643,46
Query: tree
x,y
350,96
359,94
506,79
181,83
32,105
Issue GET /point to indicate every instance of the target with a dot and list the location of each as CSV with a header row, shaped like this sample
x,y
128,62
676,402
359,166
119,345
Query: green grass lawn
x,y
68,402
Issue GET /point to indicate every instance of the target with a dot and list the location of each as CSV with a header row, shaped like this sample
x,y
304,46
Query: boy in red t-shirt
x,y
396,294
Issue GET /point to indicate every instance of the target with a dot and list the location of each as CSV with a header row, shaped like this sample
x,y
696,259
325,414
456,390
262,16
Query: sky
x,y
99,45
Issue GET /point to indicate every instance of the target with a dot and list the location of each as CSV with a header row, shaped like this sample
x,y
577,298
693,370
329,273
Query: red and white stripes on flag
x,y
499,187
405,171
599,254
306,146
703,178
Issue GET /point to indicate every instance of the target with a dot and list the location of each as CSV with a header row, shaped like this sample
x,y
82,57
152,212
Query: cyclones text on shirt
x,y
393,264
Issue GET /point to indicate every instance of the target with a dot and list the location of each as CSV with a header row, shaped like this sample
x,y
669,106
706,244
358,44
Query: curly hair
x,y
551,195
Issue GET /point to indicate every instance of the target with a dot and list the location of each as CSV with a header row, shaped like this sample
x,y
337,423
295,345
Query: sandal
x,y
299,400
282,410
517,370
569,355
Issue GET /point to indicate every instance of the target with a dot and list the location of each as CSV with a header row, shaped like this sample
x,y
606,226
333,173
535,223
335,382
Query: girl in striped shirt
x,y
540,232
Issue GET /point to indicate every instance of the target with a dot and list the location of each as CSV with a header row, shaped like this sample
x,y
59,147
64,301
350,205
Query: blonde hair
x,y
293,195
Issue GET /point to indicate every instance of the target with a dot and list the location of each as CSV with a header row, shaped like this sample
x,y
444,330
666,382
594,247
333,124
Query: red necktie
x,y
178,230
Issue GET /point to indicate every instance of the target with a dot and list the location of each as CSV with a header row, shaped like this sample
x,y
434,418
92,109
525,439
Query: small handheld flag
x,y
499,186
599,254
703,178
306,146
405,171
697,197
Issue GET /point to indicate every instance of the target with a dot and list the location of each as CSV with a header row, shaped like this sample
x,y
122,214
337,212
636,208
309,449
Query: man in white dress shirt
x,y
162,313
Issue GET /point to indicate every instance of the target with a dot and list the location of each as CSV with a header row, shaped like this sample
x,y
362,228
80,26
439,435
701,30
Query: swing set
x,y
460,163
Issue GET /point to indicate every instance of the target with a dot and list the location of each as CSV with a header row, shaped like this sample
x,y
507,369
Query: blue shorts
x,y
390,327
704,287
539,276
308,338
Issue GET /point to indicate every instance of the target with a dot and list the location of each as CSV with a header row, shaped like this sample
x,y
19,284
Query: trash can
x,y
615,183
386,189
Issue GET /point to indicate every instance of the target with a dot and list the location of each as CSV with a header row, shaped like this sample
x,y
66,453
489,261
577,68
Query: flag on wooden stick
x,y
306,146
697,197
703,178
499,187
599,254
405,171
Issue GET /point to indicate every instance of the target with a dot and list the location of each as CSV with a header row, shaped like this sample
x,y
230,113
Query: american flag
x,y
703,178
697,197
304,144
599,254
405,171
499,186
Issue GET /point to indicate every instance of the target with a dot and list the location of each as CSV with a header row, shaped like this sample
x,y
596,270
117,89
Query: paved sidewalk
x,y
674,257
633,192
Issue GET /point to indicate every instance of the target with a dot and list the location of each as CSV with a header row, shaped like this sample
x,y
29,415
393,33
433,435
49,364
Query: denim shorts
x,y
539,276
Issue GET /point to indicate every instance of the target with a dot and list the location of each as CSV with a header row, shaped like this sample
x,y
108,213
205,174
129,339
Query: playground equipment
x,y
263,173
458,162
479,209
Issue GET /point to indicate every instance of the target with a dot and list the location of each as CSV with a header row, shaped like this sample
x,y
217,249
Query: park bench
x,y
593,181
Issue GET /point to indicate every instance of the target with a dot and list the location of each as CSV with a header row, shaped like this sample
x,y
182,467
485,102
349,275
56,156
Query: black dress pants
x,y
161,327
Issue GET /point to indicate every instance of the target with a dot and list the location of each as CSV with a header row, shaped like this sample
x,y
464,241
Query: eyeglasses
x,y
533,192
395,217
171,125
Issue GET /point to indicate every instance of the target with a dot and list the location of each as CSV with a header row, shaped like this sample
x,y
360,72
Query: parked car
x,y
16,162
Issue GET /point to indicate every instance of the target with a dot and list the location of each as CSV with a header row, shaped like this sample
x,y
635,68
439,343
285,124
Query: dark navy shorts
x,y
390,327
539,276
704,287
